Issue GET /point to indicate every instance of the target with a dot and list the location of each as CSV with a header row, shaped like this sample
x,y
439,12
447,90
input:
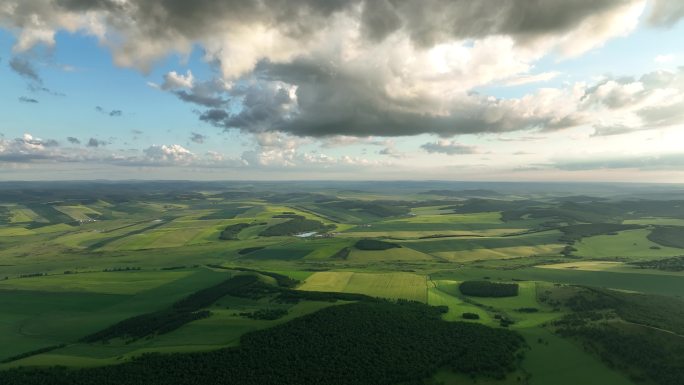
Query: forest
x,y
373,343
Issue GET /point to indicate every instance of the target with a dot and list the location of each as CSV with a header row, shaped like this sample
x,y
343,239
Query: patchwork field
x,y
71,268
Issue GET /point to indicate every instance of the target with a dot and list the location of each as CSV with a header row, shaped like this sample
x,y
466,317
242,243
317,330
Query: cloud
x,y
197,138
27,148
628,104
210,93
666,13
168,154
615,129
272,152
346,67
343,140
392,152
449,148
112,113
389,149
25,69
308,99
673,162
25,99
92,142
174,80
31,149
240,33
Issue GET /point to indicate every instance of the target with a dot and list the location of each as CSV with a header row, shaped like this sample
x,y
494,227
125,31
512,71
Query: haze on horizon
x,y
581,90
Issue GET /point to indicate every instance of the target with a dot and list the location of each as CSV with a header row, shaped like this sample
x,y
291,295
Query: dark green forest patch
x,y
670,236
374,244
488,289
343,253
667,264
231,232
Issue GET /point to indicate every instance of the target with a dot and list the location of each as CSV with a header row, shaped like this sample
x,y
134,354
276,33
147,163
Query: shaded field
x,y
669,285
33,319
554,360
472,249
125,282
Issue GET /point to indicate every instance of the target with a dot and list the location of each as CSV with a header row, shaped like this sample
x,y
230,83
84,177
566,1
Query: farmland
x,y
73,268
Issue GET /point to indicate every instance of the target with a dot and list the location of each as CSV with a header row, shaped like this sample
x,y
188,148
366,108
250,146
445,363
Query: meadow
x,y
72,267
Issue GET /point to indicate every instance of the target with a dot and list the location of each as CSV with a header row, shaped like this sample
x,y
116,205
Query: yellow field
x,y
22,215
77,212
499,253
613,267
584,265
14,231
390,285
327,281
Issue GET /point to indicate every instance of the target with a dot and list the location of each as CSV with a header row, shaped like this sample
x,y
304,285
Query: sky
x,y
516,90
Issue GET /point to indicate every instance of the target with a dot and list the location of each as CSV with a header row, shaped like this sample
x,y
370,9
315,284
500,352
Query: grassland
x,y
74,268
629,244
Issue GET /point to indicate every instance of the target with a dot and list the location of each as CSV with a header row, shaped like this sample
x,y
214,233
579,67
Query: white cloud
x,y
174,80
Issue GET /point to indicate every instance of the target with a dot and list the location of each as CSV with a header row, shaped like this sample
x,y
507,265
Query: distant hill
x,y
464,193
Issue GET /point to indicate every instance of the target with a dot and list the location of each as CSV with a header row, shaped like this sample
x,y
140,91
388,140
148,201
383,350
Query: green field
x,y
68,270
629,244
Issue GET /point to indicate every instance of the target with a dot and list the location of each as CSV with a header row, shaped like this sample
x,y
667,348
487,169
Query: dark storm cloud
x,y
24,68
202,100
336,103
196,19
25,99
427,22
73,140
434,21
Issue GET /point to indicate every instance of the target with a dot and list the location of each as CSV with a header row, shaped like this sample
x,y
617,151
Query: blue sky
x,y
240,96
